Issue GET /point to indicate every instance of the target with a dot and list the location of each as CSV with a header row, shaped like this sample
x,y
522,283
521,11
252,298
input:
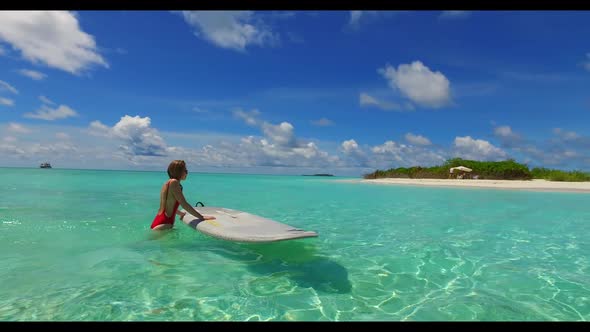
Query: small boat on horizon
x,y
45,165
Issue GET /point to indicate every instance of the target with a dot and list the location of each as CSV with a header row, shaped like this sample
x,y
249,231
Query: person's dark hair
x,y
176,169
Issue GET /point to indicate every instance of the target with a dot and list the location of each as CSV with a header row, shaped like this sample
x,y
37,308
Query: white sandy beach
x,y
537,185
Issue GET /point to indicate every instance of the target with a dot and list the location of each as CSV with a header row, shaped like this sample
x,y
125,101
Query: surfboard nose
x,y
239,226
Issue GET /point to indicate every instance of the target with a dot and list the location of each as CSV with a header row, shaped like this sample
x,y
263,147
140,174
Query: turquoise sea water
x,y
76,245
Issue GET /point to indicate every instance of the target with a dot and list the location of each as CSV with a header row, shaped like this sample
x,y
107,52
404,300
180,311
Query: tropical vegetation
x,y
496,170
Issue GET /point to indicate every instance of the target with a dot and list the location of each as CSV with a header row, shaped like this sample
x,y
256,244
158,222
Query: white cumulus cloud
x,y
136,134
32,74
97,128
282,134
265,152
50,114
53,38
358,16
450,14
418,83
251,118
355,16
18,128
565,135
507,136
587,63
62,135
387,147
323,122
353,153
477,149
392,154
350,146
278,147
6,101
234,30
9,148
366,100
417,139
46,100
503,131
7,87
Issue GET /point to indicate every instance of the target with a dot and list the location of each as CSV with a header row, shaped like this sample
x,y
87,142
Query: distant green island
x,y
493,170
318,175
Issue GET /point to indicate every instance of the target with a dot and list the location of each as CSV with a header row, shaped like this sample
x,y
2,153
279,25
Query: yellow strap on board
x,y
213,222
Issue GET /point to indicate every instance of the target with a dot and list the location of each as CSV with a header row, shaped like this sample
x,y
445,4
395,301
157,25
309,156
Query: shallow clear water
x,y
76,245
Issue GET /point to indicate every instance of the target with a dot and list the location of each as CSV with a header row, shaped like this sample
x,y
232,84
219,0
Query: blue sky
x,y
282,92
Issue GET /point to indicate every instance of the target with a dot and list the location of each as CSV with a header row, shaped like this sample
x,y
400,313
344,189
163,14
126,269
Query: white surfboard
x,y
239,226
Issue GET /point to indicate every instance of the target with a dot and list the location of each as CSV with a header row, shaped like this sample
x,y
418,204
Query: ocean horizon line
x,y
164,171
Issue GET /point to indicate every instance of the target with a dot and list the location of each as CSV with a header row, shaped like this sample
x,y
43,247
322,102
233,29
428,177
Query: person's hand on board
x,y
208,217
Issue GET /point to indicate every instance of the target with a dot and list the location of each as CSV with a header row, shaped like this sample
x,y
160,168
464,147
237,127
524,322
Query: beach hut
x,y
461,170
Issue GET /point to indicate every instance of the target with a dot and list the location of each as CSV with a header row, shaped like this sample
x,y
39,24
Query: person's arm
x,y
178,195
